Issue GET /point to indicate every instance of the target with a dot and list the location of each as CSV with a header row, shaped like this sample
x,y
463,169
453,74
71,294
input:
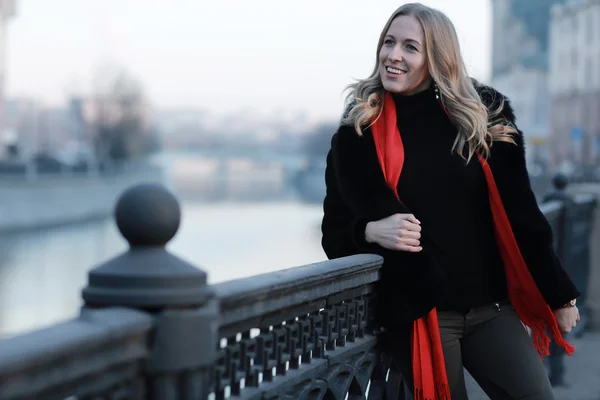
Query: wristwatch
x,y
570,304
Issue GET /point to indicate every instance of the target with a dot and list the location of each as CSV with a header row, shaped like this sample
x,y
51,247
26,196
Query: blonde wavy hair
x,y
478,126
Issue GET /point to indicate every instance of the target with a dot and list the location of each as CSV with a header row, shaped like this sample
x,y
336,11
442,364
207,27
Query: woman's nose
x,y
395,54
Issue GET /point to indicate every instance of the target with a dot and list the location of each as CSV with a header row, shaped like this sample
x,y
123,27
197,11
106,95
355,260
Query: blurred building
x,y
520,63
34,128
575,81
7,10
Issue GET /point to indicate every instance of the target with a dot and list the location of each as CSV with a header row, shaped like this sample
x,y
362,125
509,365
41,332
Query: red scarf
x,y
431,382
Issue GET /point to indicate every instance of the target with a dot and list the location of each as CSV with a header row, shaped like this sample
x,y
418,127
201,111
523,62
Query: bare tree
x,y
121,124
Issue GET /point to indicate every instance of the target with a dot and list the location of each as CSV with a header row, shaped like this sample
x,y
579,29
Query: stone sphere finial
x,y
148,215
560,181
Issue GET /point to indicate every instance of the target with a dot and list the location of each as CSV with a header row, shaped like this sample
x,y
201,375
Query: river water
x,y
42,273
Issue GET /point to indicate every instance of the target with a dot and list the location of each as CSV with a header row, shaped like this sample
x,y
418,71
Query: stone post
x,y
593,298
149,278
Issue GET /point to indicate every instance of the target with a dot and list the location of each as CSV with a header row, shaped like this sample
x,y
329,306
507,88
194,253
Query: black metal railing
x,y
285,333
152,328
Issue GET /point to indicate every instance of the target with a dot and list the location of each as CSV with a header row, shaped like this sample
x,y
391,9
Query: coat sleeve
x,y
530,227
343,233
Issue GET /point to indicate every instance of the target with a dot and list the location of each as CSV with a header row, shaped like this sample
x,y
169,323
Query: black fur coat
x,y
410,283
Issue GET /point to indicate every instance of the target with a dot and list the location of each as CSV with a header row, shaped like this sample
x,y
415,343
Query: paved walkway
x,y
582,373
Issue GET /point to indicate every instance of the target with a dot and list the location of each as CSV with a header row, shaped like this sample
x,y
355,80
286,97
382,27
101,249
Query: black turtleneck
x,y
450,199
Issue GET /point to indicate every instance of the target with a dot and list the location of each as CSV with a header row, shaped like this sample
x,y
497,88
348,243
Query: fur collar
x,y
493,99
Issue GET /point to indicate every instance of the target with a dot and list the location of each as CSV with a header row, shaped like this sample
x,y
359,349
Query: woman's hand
x,y
567,318
396,232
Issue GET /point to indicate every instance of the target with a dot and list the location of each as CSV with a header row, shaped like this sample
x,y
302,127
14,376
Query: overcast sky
x,y
268,55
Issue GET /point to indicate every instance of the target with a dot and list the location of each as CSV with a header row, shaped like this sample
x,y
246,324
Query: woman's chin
x,y
395,87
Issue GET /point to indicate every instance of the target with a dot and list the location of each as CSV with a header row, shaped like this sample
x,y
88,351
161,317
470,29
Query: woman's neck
x,y
423,100
426,84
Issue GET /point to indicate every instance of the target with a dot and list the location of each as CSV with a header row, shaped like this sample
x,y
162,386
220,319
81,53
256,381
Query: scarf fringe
x,y
541,340
442,392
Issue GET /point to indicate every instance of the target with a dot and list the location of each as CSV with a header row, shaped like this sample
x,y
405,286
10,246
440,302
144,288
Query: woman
x,y
428,170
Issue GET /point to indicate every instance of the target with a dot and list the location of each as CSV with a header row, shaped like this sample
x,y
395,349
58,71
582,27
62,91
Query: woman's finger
x,y
409,242
411,226
405,233
413,219
411,249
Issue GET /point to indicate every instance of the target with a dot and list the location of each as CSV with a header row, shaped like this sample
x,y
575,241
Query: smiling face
x,y
402,58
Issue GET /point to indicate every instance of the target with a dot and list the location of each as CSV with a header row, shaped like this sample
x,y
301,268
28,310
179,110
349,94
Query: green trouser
x,y
493,345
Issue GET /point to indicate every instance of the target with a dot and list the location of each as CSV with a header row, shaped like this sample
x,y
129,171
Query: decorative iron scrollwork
x,y
328,353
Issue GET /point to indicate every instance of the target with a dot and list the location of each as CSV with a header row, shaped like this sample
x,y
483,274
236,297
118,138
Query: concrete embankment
x,y
49,201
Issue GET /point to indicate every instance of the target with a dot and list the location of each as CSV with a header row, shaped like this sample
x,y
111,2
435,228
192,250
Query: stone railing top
x,y
74,354
582,198
549,207
256,296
